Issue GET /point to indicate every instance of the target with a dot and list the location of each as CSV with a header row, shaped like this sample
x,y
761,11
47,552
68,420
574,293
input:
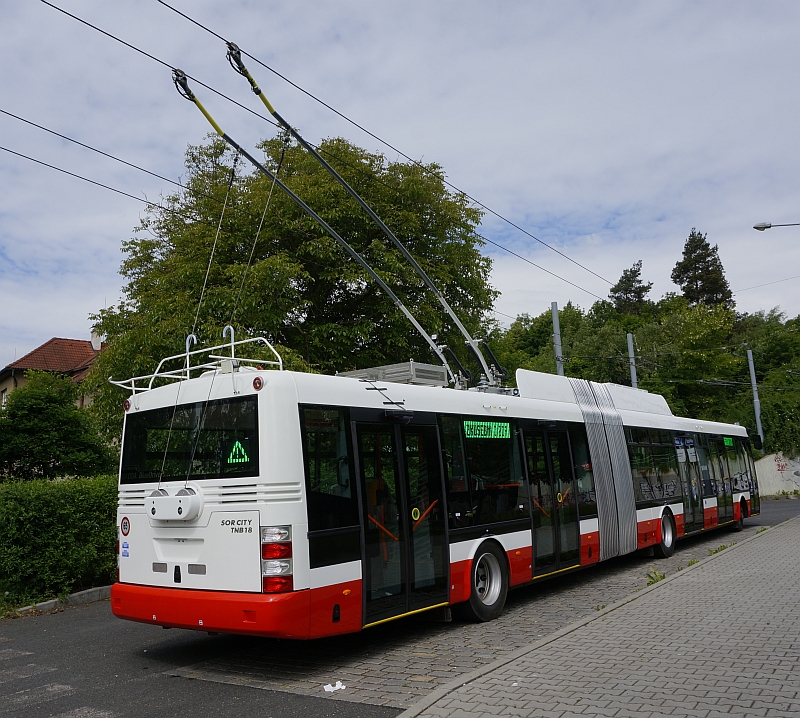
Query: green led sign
x,y
487,430
238,454
728,440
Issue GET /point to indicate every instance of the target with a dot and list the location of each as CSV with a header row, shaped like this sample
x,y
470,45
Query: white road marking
x,y
12,674
48,692
86,712
7,653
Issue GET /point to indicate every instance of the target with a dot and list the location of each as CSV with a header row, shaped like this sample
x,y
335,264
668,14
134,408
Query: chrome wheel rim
x,y
666,532
487,579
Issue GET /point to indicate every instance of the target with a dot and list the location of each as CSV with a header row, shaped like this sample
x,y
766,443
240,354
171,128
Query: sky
x,y
608,130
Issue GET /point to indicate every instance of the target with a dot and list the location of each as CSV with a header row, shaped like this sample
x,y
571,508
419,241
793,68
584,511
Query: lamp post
x,y
761,226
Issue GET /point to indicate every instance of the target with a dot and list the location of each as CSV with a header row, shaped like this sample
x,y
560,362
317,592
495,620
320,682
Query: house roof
x,y
72,357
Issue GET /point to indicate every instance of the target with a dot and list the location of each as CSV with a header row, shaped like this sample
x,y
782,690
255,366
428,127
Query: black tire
x,y
738,525
667,546
488,584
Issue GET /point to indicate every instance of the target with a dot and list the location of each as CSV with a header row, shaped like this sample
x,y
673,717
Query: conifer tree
x,y
629,294
700,274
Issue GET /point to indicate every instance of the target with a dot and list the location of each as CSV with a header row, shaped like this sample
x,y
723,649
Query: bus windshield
x,y
207,440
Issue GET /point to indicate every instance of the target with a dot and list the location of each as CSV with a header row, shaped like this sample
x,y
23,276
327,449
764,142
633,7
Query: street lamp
x,y
761,226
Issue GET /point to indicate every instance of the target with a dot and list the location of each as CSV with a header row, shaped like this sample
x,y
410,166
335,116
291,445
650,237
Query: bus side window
x,y
587,499
460,510
646,486
332,501
495,471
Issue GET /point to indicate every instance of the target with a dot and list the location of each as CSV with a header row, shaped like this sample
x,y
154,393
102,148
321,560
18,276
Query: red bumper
x,y
280,615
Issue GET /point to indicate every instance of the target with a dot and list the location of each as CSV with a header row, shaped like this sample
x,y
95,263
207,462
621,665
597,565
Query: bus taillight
x,y
276,550
276,559
277,584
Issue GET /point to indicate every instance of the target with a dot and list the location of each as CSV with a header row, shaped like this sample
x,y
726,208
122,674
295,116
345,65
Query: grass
x,y
763,528
712,551
654,576
693,562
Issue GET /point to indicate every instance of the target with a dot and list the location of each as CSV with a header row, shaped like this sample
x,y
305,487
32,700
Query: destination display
x,y
487,430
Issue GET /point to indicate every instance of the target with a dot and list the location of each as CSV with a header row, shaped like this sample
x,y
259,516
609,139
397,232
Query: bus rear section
x,y
211,521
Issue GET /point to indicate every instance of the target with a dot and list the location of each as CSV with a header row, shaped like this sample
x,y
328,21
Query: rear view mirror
x,y
757,443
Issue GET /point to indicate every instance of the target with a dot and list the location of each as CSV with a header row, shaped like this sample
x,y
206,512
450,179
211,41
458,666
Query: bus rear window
x,y
207,440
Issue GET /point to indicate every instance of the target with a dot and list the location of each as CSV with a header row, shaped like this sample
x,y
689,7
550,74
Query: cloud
x,y
607,130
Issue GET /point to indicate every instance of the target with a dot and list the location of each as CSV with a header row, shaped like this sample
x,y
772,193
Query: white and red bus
x,y
295,505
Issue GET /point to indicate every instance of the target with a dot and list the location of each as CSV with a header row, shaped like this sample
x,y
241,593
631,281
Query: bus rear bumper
x,y
279,615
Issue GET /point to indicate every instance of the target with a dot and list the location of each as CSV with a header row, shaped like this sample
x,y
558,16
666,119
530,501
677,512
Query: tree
x,y
300,290
629,294
44,434
700,274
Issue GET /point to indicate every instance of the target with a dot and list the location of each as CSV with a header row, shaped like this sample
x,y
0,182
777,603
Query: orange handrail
x,y
383,528
421,518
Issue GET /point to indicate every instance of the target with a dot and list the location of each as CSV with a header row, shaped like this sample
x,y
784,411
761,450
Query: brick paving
x,y
719,639
399,663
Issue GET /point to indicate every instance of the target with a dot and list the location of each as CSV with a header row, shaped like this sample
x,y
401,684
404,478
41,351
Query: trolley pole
x,y
756,401
557,340
632,361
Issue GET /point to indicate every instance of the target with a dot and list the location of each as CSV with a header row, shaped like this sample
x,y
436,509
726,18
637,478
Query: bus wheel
x,y
667,546
489,583
738,525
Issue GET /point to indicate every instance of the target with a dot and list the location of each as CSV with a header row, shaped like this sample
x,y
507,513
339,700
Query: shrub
x,y
56,536
44,435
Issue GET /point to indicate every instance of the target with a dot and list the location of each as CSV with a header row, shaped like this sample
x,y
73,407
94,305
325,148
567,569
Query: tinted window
x,y
485,477
332,501
587,500
207,440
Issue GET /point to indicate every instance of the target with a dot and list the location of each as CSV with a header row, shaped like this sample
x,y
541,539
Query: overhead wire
x,y
387,144
258,234
157,59
216,237
266,119
99,184
329,154
777,281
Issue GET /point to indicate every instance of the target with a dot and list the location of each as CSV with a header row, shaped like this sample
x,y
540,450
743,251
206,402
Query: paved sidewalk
x,y
721,638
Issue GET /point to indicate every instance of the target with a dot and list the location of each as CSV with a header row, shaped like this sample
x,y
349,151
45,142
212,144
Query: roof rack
x,y
184,372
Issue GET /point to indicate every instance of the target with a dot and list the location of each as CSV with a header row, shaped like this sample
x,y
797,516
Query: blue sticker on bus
x,y
125,553
125,545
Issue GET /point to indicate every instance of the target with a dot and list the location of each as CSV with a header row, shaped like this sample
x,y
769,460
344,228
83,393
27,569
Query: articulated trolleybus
x,y
295,505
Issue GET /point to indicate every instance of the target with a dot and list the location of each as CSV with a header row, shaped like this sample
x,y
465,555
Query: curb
x,y
434,696
90,595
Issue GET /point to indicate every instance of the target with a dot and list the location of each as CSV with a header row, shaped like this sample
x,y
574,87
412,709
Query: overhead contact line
x,y
275,124
388,144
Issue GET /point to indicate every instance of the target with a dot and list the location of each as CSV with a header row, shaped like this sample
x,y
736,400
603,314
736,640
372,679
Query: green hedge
x,y
56,537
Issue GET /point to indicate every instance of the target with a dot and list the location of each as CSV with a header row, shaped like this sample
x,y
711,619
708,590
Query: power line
x,y
158,60
99,184
387,144
417,164
777,281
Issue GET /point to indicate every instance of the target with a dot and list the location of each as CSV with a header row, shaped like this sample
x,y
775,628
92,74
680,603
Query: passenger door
x,y
405,561
555,513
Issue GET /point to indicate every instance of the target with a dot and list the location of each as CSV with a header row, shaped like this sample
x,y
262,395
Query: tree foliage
x,y
629,294
700,274
695,356
44,434
300,289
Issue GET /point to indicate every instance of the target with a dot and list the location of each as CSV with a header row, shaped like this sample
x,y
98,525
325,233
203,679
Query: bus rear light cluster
x,y
276,559
276,550
277,584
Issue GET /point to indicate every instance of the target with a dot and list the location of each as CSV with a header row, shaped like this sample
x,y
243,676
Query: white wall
x,y
777,473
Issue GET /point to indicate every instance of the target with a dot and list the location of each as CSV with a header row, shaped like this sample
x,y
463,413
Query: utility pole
x,y
557,340
756,402
632,361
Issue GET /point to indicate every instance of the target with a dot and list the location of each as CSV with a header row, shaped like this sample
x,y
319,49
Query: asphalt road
x,y
81,662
